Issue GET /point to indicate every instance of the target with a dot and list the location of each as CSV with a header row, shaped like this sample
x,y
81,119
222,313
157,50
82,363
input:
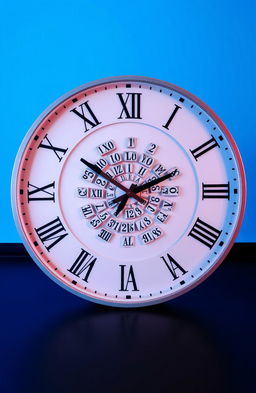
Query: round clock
x,y
128,191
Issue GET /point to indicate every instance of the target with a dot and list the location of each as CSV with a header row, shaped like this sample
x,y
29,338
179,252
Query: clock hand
x,y
149,184
124,201
96,169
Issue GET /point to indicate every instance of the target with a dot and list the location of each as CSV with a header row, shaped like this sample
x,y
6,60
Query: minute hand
x,y
149,184
96,169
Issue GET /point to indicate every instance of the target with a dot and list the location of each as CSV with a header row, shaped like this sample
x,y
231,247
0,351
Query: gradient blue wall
x,y
50,47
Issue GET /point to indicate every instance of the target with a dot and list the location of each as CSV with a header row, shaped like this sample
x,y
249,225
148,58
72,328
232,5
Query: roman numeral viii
x,y
215,191
204,148
204,233
83,265
127,279
44,193
130,105
86,114
173,266
58,151
51,233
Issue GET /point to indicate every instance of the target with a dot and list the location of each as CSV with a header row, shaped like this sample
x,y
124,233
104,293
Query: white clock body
x,y
136,130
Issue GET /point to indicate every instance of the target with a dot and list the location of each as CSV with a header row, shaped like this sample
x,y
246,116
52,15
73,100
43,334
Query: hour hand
x,y
96,169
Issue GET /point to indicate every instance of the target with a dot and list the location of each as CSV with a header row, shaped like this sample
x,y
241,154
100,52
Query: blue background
x,y
50,47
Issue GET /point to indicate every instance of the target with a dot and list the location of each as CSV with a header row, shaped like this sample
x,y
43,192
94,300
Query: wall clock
x,y
128,191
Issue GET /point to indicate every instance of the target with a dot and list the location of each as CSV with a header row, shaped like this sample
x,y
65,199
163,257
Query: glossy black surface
x,y
53,341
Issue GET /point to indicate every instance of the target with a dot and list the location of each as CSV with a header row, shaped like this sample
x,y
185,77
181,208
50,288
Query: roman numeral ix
x,y
204,148
215,191
86,114
58,151
83,264
204,233
44,193
130,105
51,233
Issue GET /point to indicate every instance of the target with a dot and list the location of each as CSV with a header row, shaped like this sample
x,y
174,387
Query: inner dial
x,y
135,155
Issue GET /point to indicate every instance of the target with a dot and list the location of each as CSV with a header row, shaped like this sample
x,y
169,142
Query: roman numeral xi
x,y
86,114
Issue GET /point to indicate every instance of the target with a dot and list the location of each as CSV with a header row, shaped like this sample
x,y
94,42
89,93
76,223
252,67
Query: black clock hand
x,y
96,169
124,201
149,184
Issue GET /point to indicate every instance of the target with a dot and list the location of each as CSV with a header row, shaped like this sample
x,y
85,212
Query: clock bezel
x,y
116,79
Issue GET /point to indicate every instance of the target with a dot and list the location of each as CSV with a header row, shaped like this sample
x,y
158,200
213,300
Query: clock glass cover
x,y
128,191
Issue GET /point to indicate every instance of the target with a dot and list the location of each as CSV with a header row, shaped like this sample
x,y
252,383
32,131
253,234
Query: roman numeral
x,y
215,191
177,107
53,230
83,264
130,105
204,148
44,193
127,279
87,115
204,233
173,266
58,151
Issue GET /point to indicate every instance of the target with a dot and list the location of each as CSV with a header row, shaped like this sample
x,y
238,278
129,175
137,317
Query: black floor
x,y
52,341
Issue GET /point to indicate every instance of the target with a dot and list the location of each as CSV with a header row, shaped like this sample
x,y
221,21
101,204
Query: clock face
x,y
128,191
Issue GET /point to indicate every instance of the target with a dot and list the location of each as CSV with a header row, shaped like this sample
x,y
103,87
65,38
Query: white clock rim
x,y
116,79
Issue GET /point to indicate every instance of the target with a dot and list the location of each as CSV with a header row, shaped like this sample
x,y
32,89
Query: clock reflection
x,y
151,350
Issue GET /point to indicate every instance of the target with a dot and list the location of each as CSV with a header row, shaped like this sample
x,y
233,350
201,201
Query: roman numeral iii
x,y
51,233
58,151
130,105
215,191
204,148
86,114
83,265
204,233
44,193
